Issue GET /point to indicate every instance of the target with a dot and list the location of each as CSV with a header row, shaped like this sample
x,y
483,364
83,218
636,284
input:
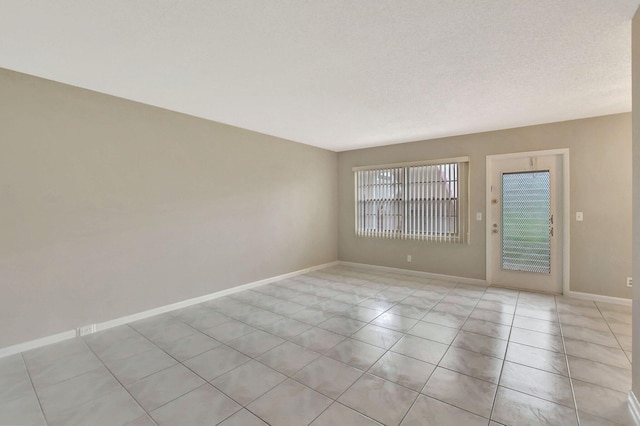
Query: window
x,y
422,200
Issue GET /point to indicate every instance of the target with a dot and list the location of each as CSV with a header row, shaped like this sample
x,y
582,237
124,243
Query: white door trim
x,y
564,153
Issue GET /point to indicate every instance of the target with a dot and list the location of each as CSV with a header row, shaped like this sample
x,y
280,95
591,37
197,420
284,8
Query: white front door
x,y
525,220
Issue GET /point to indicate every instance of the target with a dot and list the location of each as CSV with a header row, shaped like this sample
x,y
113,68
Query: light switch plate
x,y
579,216
479,216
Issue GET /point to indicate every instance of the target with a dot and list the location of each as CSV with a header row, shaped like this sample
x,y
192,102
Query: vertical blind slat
x,y
426,202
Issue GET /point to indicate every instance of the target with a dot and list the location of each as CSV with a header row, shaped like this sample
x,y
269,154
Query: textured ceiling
x,y
333,73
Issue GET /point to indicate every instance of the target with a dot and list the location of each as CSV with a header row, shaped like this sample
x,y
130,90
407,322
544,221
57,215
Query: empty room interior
x,y
319,213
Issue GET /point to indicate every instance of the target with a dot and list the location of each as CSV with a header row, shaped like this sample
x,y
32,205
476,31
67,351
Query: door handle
x,y
551,232
495,228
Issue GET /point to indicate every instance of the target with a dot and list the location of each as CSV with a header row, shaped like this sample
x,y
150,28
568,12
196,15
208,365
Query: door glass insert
x,y
526,221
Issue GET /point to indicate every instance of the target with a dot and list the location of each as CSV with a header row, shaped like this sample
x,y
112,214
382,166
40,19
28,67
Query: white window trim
x,y
463,213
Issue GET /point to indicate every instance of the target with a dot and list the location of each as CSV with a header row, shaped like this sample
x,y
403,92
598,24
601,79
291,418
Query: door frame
x,y
564,154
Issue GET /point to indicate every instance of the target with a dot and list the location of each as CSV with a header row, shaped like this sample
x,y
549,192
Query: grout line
x,y
566,359
332,281
495,398
33,387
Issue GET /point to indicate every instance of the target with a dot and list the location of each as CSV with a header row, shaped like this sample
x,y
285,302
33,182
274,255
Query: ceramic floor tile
x,y
312,316
355,353
136,367
537,312
587,419
497,317
307,299
338,414
446,319
409,311
391,296
587,311
625,341
204,405
102,340
288,358
208,320
342,325
538,383
394,322
124,348
600,374
256,343
229,330
143,420
164,386
334,307
536,339
620,328
117,406
421,349
539,325
435,332
496,306
77,390
582,321
377,304
14,378
287,308
328,376
286,328
597,353
420,302
553,362
487,328
405,371
430,412
379,399
453,308
60,369
605,338
47,354
462,391
163,331
248,382
472,364
481,344
243,418
216,362
602,402
23,410
362,314
377,336
318,340
516,408
289,403
189,346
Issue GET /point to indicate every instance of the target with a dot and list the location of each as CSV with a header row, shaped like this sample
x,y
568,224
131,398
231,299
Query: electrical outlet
x,y
629,282
408,258
87,329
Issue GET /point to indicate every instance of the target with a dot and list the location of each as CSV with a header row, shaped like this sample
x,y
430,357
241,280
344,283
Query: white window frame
x,y
418,204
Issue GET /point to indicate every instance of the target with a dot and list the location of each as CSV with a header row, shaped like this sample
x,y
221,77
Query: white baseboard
x,y
55,338
33,344
598,298
634,408
430,275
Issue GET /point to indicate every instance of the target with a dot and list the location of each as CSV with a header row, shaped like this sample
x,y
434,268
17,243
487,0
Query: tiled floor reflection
x,y
339,346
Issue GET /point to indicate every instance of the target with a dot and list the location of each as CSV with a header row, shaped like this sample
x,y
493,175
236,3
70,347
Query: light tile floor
x,y
344,345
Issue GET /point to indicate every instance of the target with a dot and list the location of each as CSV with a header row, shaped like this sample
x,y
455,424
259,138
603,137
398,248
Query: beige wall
x,y
110,207
600,164
635,43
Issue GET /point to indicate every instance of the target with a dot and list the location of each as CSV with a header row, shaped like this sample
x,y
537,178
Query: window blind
x,y
418,200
